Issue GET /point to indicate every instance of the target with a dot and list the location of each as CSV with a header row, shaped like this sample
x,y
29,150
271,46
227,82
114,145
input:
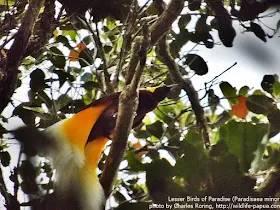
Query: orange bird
x,y
74,146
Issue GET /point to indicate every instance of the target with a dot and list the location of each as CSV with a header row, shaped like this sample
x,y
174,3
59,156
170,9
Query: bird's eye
x,y
115,115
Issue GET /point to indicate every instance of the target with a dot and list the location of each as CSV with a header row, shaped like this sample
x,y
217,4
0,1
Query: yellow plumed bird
x,y
74,146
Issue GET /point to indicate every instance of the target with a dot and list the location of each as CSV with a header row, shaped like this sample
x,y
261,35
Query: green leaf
x,y
62,101
259,163
156,129
243,91
90,85
29,187
85,58
226,177
134,164
274,118
258,31
45,98
27,171
276,89
39,112
196,63
119,197
63,77
184,20
71,33
180,40
7,2
107,48
242,139
260,104
5,158
87,40
193,165
63,40
37,80
213,100
159,180
194,4
229,92
267,83
201,26
57,58
141,134
25,115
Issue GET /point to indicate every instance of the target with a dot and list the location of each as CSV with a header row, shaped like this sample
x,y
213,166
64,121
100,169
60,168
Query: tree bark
x,y
9,74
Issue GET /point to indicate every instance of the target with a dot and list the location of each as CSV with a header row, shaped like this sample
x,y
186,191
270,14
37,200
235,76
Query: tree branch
x,y
128,101
42,35
271,184
8,75
165,56
165,20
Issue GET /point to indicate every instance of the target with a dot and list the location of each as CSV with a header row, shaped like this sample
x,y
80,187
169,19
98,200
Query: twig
x,y
108,86
216,77
131,18
214,80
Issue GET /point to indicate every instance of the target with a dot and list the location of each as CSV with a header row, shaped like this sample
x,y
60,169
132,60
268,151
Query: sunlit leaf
x,y
193,165
229,92
276,89
62,101
7,2
243,91
242,139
